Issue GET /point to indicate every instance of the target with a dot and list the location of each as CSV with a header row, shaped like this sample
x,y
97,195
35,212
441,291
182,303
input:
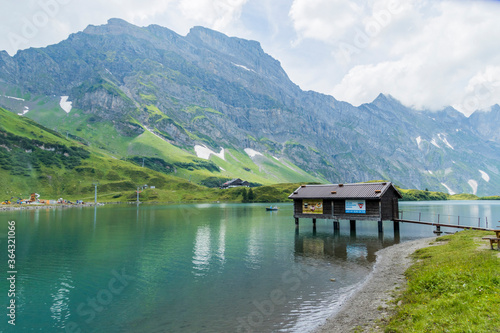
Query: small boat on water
x,y
272,208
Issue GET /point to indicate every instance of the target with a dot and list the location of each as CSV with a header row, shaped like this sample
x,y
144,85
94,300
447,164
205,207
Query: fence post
x,y
458,219
419,214
438,218
479,222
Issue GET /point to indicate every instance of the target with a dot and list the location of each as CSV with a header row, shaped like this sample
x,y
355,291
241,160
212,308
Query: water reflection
x,y
252,257
342,247
221,250
61,300
202,252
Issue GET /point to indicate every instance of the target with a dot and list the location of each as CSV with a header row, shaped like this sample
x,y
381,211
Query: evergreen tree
x,y
244,195
251,196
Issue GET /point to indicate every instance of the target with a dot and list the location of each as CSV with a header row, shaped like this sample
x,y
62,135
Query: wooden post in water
x,y
380,226
396,226
438,230
296,221
353,225
336,225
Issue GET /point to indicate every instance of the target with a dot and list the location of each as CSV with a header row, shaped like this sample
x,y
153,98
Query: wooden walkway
x,y
445,225
462,222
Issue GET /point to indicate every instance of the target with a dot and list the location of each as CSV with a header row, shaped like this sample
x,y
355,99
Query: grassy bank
x,y
188,192
454,287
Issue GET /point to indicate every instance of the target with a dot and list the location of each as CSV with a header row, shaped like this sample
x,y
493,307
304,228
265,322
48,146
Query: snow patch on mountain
x,y
442,137
26,110
450,191
16,98
252,153
65,105
473,184
484,175
419,141
204,152
435,143
244,67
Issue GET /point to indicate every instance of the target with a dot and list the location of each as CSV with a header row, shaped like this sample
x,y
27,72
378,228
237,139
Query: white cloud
x,y
427,54
324,19
217,14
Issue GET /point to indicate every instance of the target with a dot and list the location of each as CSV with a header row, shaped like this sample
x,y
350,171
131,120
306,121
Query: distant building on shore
x,y
237,182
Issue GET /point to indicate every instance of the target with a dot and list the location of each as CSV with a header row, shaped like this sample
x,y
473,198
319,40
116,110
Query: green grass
x,y
453,287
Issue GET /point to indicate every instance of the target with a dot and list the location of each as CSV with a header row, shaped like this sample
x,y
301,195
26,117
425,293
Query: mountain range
x,y
208,107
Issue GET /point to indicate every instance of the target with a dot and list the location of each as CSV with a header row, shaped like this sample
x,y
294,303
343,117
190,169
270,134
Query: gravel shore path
x,y
365,308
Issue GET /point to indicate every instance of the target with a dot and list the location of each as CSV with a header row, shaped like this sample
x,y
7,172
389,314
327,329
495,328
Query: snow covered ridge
x,y
252,153
65,105
204,152
485,176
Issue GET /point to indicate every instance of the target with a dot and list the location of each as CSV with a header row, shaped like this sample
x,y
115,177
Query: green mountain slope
x,y
34,158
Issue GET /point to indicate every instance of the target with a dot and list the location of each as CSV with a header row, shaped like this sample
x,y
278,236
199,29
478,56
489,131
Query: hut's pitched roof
x,y
344,191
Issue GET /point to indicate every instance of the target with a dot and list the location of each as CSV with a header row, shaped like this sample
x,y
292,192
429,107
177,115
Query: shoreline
x,y
42,206
368,305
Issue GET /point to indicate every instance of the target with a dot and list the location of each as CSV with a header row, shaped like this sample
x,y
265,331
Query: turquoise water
x,y
189,268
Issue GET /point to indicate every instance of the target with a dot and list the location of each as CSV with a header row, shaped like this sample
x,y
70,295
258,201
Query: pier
x,y
445,221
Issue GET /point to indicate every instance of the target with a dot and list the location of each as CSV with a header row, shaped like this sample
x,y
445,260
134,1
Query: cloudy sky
x,y
426,53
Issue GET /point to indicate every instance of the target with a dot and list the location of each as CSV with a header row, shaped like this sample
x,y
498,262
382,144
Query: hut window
x,y
378,191
334,192
340,185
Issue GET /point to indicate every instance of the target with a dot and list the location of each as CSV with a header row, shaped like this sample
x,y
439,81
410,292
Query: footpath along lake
x,y
193,268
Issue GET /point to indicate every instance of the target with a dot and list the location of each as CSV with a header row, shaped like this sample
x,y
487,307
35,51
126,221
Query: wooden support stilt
x,y
336,225
353,225
396,226
438,230
380,226
296,221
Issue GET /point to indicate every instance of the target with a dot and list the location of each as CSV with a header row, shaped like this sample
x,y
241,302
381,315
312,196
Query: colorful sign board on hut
x,y
355,206
312,206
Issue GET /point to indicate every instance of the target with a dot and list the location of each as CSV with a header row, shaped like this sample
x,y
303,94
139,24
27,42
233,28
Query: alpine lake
x,y
196,267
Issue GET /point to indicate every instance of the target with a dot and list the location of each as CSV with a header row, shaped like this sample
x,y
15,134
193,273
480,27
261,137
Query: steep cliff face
x,y
486,123
218,91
